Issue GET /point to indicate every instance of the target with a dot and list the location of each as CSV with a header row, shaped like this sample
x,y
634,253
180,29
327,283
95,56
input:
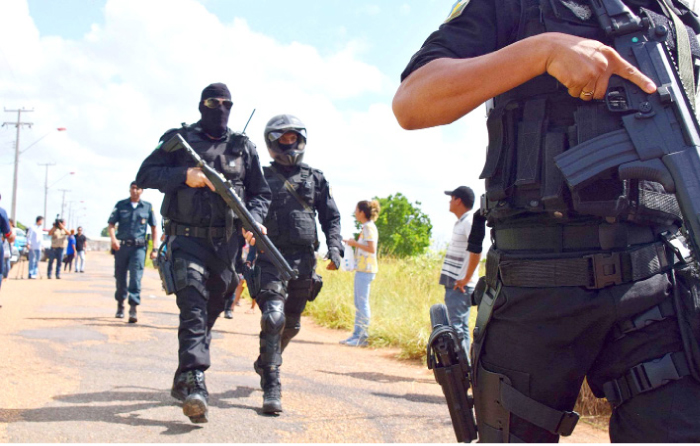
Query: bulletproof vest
x,y
200,206
531,124
291,219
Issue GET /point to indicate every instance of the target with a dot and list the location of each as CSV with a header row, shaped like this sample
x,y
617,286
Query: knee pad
x,y
273,320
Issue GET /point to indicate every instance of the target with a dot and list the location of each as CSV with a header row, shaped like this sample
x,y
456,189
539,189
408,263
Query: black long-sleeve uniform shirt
x,y
235,156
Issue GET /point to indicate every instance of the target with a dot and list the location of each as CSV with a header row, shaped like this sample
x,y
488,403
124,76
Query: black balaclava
x,y
215,120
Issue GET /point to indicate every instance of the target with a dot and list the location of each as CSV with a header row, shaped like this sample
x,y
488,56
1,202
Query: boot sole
x,y
133,320
272,407
196,409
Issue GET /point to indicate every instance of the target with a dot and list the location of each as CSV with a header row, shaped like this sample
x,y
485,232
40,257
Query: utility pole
x,y
19,125
46,189
63,200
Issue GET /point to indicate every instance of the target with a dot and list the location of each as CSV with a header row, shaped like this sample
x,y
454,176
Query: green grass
x,y
400,300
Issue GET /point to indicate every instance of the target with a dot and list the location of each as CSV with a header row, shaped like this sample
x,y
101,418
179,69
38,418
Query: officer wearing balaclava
x,y
202,233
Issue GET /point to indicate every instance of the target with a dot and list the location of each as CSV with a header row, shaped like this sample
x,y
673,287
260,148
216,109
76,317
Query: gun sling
x,y
290,187
593,271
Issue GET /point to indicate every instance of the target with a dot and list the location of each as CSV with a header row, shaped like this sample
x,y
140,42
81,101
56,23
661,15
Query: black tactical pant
x,y
546,340
208,278
282,303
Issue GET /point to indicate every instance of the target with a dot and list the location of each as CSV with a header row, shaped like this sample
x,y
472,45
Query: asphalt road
x,y
71,372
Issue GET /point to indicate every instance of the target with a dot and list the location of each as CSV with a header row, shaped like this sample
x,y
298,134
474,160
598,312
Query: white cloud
x,y
370,10
405,9
126,82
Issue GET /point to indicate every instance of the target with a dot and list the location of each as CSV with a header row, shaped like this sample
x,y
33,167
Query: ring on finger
x,y
587,93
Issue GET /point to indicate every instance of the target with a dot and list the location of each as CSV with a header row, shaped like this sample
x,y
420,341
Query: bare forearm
x,y
472,265
154,236
444,90
369,246
112,234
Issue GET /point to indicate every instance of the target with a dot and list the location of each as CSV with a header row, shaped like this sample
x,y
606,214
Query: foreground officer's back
x,y
299,192
202,232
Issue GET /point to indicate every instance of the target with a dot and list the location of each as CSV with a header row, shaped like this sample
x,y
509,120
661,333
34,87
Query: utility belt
x,y
172,228
562,238
133,242
591,256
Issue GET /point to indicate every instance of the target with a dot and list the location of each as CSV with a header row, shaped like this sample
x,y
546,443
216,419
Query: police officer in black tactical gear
x,y
131,218
202,233
578,281
299,192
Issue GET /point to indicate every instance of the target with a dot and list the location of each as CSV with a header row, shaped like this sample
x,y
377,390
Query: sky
x,y
117,74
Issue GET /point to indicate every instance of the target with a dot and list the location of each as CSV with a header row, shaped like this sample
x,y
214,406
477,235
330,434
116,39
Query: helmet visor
x,y
277,134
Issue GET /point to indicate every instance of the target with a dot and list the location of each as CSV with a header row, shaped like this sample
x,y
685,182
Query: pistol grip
x,y
652,170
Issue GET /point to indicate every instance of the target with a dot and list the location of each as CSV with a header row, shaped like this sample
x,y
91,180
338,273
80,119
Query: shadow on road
x,y
86,408
378,377
414,397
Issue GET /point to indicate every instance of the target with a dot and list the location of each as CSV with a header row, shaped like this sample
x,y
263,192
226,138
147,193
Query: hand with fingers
x,y
196,178
250,237
585,66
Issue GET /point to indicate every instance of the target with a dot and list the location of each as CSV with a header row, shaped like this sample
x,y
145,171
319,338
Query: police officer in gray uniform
x,y
131,217
202,232
577,281
299,193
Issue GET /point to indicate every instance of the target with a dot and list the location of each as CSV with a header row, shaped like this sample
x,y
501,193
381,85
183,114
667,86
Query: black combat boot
x,y
192,385
120,310
132,314
179,389
272,389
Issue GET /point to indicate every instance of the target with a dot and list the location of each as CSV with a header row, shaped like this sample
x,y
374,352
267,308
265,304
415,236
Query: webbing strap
x,y
685,58
657,313
559,238
290,188
645,377
593,271
555,421
483,316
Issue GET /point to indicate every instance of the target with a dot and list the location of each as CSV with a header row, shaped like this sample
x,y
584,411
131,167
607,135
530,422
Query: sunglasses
x,y
216,103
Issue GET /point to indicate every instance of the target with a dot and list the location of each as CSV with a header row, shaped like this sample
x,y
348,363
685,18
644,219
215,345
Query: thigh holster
x,y
495,399
188,273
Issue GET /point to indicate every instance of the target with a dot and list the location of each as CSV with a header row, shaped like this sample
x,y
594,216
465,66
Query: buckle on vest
x,y
606,269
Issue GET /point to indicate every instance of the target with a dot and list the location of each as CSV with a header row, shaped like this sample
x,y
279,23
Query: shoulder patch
x,y
456,10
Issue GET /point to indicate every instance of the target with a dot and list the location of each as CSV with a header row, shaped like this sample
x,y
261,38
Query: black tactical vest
x,y
531,124
200,206
291,220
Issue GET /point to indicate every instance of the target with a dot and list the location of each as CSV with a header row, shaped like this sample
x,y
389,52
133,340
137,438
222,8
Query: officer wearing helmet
x,y
203,235
299,193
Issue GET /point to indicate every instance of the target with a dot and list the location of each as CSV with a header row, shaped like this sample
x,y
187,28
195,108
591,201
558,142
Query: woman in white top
x,y
366,269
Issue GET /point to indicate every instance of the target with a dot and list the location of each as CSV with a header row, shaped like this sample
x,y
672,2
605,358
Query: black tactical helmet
x,y
286,155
